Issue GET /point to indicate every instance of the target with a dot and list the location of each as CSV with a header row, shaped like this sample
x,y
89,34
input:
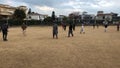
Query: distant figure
x,y
82,29
24,27
118,26
63,25
70,30
4,29
93,25
0,28
97,25
105,25
55,31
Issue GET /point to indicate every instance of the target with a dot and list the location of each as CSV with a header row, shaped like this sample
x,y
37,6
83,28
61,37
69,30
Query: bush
x,y
12,22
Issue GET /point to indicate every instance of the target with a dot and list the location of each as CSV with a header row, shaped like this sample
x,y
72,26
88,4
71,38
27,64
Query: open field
x,y
94,49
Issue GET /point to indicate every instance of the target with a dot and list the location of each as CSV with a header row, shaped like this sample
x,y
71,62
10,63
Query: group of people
x,y
4,29
70,31
72,27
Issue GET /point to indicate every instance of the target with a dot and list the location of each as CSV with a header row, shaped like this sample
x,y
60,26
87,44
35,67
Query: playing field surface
x,y
94,49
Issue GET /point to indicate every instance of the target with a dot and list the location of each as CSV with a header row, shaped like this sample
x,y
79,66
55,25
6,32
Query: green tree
x,y
19,14
48,19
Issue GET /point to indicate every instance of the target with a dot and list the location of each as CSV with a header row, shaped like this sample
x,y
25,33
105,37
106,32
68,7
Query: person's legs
x,y
53,34
117,28
65,28
81,31
56,36
105,29
24,32
74,28
72,33
5,36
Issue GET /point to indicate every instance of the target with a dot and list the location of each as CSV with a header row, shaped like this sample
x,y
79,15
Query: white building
x,y
36,16
61,17
105,16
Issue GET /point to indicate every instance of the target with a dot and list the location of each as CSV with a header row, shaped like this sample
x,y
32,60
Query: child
x,y
82,29
105,25
24,28
118,26
4,29
70,30
55,31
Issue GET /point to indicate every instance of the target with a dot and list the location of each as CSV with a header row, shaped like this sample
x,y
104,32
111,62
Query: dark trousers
x,y
93,26
5,36
64,27
117,28
70,32
55,33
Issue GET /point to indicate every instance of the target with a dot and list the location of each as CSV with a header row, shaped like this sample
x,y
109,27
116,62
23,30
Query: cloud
x,y
66,6
44,8
14,3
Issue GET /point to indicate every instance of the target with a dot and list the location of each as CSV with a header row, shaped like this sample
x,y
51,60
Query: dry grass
x,y
95,49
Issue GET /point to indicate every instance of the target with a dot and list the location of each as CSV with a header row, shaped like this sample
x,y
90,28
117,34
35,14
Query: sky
x,y
65,7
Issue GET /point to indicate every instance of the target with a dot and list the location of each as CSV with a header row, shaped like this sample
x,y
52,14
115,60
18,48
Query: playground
x,y
38,49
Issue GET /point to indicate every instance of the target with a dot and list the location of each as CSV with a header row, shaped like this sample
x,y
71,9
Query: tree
x,y
65,19
29,11
19,14
53,16
48,19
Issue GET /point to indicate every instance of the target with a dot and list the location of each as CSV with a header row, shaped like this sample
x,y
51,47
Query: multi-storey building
x,y
36,16
6,11
106,16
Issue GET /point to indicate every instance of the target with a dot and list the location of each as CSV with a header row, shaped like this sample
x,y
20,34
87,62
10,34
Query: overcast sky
x,y
64,7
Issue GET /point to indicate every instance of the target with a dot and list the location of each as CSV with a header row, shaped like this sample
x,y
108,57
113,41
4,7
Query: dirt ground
x,y
94,49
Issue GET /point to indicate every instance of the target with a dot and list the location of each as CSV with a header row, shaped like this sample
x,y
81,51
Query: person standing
x,y
70,32
93,25
65,26
105,25
4,29
82,29
118,26
0,28
24,27
55,30
97,24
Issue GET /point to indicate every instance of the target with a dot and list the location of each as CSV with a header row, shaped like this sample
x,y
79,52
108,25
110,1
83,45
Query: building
x,y
106,16
6,11
36,16
74,15
61,17
84,16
